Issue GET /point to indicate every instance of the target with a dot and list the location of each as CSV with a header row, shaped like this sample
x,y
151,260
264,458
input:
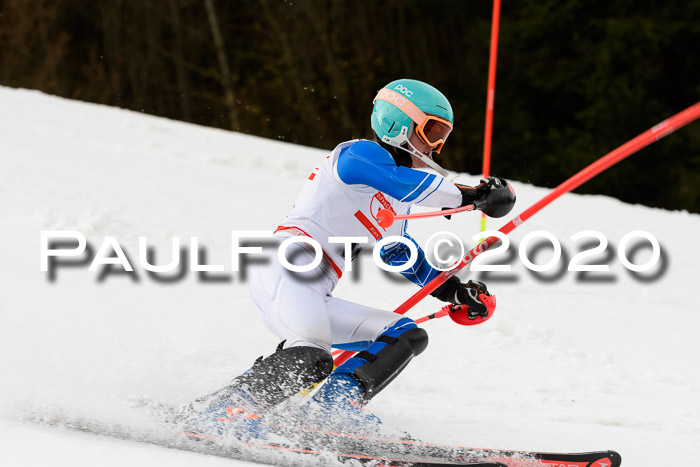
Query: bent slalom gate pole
x,y
653,134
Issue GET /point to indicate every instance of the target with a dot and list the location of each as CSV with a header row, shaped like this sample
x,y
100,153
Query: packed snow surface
x,y
569,362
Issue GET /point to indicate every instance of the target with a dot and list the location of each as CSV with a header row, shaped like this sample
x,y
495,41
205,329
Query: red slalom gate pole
x,y
643,140
491,95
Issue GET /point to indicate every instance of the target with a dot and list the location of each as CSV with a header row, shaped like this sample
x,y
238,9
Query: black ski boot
x,y
236,409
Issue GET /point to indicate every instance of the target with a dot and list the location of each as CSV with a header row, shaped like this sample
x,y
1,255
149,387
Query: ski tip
x,y
615,458
587,459
607,459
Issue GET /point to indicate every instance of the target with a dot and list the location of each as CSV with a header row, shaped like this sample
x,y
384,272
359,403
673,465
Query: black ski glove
x,y
469,195
454,291
493,196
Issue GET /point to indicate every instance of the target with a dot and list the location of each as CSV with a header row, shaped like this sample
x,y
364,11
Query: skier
x,y
342,196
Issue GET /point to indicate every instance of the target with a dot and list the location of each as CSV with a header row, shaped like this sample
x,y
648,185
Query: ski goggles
x,y
432,130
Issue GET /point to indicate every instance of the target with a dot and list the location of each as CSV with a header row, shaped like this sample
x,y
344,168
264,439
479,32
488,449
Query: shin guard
x,y
375,367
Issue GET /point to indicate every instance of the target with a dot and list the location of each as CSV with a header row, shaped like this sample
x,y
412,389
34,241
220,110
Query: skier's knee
x,y
312,363
406,329
418,340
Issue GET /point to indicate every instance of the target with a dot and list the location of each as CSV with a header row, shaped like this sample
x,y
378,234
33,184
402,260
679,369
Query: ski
x,y
451,453
395,447
364,459
253,450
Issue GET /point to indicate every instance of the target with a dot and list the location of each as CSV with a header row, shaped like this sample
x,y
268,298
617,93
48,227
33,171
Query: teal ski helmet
x,y
406,106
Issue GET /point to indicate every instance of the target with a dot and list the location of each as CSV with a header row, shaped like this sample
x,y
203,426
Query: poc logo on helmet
x,y
403,90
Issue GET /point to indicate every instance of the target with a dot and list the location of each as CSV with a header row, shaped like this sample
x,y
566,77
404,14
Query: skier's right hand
x,y
493,196
473,294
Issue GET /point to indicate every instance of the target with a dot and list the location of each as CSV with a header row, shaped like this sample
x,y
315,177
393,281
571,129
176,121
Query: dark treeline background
x,y
575,78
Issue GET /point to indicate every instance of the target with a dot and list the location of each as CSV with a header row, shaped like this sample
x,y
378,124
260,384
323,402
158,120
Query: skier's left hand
x,y
471,294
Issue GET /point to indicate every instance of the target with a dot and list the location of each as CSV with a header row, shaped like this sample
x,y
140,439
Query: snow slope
x,y
563,365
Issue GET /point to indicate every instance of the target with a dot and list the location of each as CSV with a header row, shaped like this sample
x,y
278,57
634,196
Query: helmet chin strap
x,y
397,141
427,160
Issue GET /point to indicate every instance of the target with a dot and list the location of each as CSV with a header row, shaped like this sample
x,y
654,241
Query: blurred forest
x,y
575,78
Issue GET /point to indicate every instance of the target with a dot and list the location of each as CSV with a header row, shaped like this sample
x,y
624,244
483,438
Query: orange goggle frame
x,y
432,130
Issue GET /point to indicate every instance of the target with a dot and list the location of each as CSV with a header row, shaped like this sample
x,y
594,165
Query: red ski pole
x,y
653,134
444,311
441,313
386,217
